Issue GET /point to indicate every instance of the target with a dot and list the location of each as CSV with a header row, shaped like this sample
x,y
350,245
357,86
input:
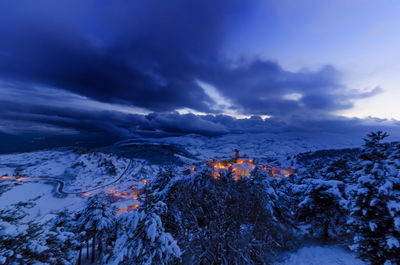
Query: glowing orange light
x,y
129,208
86,194
242,167
123,210
112,191
135,193
7,177
144,181
219,165
215,174
133,206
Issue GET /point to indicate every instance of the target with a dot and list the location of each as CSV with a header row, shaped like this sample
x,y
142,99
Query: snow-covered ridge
x,y
256,145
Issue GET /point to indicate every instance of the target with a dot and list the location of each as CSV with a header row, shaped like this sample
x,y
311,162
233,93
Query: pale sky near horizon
x,y
361,38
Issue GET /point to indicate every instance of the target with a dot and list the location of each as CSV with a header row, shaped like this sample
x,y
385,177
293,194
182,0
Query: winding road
x,y
61,184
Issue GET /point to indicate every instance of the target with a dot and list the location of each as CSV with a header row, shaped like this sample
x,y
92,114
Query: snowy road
x,y
321,255
61,184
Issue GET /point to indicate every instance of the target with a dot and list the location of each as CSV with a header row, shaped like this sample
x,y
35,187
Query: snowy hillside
x,y
39,177
63,163
255,145
82,170
118,194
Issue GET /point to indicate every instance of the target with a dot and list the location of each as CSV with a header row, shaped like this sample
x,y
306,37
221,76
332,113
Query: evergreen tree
x,y
143,240
323,209
376,203
64,239
61,246
225,221
20,241
12,230
97,220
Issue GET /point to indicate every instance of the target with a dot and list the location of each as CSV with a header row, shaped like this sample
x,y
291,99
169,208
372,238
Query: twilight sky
x,y
127,68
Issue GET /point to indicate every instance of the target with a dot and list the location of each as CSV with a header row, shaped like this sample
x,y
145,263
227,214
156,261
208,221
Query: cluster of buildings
x,y
241,167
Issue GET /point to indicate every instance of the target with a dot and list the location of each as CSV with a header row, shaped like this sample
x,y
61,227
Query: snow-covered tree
x,y
27,242
22,241
11,231
64,239
375,211
276,200
61,246
97,221
224,221
142,238
323,208
320,193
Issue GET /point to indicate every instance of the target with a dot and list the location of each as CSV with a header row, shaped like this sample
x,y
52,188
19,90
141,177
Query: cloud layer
x,y
55,112
60,61
146,53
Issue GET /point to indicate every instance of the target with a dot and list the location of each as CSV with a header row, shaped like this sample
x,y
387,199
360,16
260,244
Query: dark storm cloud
x,y
296,123
119,125
150,54
72,122
60,112
263,87
142,52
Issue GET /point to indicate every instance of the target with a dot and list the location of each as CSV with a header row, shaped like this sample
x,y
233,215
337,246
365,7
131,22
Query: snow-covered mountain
x,y
64,178
256,145
82,170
